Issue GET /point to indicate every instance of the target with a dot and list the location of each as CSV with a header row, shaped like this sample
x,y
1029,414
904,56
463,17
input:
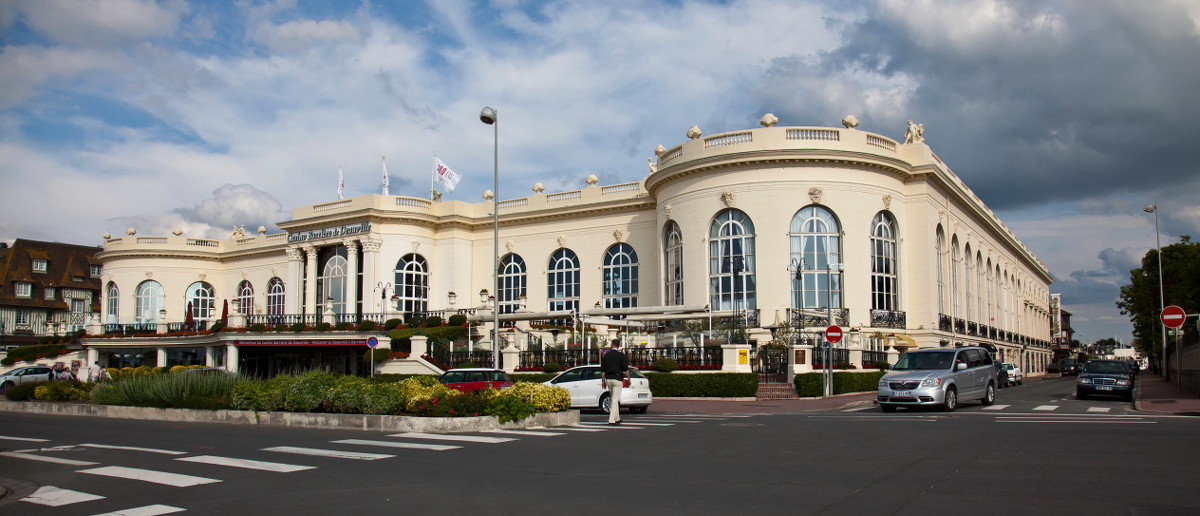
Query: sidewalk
x,y
1154,394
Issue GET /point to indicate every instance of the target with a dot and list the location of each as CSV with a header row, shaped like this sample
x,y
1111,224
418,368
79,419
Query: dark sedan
x,y
1104,378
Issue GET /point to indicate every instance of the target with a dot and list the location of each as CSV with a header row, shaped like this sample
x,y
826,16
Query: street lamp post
x,y
489,116
1153,208
828,345
383,288
736,264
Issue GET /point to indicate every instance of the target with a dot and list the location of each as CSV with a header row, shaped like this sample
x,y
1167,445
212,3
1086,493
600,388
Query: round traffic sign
x,y
372,342
1173,317
833,334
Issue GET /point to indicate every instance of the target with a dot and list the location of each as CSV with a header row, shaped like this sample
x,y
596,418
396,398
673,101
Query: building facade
x,y
46,288
777,227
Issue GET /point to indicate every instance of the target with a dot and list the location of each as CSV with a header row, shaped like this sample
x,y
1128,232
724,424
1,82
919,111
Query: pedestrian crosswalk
x,y
98,459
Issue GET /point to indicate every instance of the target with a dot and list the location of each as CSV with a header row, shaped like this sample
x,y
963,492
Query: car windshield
x,y
926,360
1105,367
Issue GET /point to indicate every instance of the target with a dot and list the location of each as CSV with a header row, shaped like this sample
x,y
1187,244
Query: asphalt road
x,y
1016,459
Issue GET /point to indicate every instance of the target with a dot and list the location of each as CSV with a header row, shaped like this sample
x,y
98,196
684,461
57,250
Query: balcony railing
x,y
888,319
815,318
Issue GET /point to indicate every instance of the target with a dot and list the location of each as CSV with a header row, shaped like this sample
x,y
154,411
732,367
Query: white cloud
x,y
102,22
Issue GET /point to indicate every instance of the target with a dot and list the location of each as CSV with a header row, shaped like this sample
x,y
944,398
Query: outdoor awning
x,y
905,341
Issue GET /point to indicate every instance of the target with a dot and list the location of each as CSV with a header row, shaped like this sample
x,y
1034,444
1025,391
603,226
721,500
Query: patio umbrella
x,y
225,312
187,318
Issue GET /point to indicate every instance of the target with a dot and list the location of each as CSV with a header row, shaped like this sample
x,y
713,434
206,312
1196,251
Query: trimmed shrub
x,y
467,364
379,355
343,326
545,398
457,320
324,326
283,327
297,327
195,391
552,367
257,327
809,384
61,390
217,326
714,385
392,324
23,392
367,325
665,365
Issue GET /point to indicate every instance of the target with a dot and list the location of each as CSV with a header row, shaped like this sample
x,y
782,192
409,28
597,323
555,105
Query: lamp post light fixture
x,y
1153,208
383,288
489,116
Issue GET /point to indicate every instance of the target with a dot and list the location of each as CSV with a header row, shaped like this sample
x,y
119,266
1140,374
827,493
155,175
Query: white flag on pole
x,y
444,175
341,183
385,190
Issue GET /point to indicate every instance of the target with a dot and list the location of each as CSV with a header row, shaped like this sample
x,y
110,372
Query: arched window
x,y
563,284
967,257
939,248
673,264
331,283
979,286
275,298
512,283
113,305
731,262
816,250
245,297
201,297
412,283
954,264
620,277
150,298
884,273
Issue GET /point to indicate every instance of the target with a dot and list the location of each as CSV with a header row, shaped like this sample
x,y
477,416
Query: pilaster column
x,y
231,358
370,269
161,357
293,293
311,306
352,276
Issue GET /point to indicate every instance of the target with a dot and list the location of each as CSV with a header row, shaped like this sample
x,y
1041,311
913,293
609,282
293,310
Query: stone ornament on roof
x,y
592,179
652,165
850,122
915,133
238,232
538,187
694,132
768,120
660,150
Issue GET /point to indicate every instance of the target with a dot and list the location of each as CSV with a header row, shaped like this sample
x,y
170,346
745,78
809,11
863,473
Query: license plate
x,y
903,393
1103,388
642,395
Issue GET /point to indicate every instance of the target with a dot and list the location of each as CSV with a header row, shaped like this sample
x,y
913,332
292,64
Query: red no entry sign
x,y
1173,317
833,334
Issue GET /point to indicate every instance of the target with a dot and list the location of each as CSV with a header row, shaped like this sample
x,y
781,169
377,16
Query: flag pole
x,y
433,178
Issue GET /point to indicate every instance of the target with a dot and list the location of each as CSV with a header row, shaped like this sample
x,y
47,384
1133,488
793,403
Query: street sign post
x,y
1173,317
371,343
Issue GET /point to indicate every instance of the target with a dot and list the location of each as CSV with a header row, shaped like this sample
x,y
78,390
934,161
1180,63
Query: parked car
x,y
1001,375
1068,366
1105,378
25,374
475,379
939,377
584,384
1015,375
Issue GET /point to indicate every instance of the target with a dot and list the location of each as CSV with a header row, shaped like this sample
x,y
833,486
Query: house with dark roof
x,y
46,288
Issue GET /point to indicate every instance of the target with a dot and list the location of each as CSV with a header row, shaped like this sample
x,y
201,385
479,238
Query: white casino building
x,y
784,226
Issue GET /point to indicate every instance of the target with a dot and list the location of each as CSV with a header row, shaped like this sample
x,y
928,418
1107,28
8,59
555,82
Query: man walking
x,y
615,366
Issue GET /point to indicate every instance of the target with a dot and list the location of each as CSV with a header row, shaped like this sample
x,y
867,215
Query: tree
x,y
1181,287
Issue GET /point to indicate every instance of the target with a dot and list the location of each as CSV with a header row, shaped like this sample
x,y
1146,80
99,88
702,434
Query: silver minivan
x,y
939,377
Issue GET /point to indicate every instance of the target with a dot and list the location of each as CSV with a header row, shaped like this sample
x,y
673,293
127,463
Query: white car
x,y
25,374
1014,373
584,384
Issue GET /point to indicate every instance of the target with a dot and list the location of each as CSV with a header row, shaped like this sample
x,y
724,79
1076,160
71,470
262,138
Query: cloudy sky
x,y
1065,117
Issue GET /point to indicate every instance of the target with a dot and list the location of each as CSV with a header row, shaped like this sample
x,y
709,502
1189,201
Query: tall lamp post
x,y
490,117
1153,208
383,288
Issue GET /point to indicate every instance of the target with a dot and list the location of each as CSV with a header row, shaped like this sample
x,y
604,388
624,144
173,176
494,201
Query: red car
x,y
475,379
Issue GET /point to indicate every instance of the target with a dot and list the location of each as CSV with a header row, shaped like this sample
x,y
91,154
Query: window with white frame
x,y
150,298
672,264
563,281
113,304
731,262
201,298
331,284
954,264
275,297
245,297
412,283
40,265
967,257
22,317
620,277
939,247
23,289
78,306
512,276
50,292
884,275
816,248
95,269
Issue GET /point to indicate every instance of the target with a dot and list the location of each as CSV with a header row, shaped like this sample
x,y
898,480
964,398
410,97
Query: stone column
x,y
93,356
800,358
210,356
419,346
352,276
311,305
231,358
293,293
736,358
160,359
510,359
370,271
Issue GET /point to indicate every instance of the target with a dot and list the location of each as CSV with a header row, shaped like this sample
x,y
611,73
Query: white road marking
x,y
13,438
1099,409
145,510
56,460
858,409
605,426
278,467
664,420
634,422
337,454
997,407
149,475
56,496
580,429
394,444
452,437
537,433
1046,408
132,448
1102,421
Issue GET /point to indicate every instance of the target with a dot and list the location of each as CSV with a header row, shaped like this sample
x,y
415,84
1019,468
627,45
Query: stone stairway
x,y
775,391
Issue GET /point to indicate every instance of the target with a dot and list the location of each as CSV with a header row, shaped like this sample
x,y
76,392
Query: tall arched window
x,y
245,297
967,276
990,315
412,283
150,298
979,286
816,250
672,264
275,298
331,283
954,264
620,277
113,305
939,248
563,285
203,300
884,273
512,283
731,261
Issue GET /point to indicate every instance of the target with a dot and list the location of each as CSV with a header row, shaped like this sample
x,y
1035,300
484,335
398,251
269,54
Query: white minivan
x,y
939,377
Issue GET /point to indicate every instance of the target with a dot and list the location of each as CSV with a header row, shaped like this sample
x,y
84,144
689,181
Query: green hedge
x,y
33,352
808,385
706,385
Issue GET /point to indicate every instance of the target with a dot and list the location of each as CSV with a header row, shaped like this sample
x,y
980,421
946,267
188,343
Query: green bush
x,y
307,392
552,367
882,365
545,398
62,390
468,364
457,320
433,321
23,392
32,352
208,391
809,384
367,325
455,404
257,328
324,326
342,326
533,377
708,385
281,327
297,327
392,324
379,355
665,365
510,408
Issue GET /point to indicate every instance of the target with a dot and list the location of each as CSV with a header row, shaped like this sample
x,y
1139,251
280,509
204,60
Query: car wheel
x,y
606,403
886,407
989,395
951,401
